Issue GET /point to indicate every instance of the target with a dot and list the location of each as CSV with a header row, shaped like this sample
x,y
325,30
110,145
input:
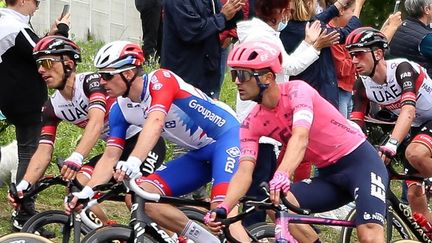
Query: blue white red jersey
x,y
193,120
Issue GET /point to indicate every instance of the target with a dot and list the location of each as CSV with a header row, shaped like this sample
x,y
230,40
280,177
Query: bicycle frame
x,y
404,212
141,223
283,217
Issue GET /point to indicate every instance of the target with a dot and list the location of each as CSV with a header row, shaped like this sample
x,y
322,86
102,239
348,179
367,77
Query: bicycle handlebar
x,y
41,185
131,185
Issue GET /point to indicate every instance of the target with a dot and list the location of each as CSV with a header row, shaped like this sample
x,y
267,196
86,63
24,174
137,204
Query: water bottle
x,y
423,222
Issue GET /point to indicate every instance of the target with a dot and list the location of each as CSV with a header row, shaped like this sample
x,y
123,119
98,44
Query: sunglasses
x,y
37,3
47,62
245,75
359,54
108,75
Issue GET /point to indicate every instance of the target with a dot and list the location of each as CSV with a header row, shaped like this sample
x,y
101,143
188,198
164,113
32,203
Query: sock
x,y
198,234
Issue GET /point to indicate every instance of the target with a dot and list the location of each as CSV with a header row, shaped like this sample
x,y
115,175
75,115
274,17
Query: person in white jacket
x,y
271,17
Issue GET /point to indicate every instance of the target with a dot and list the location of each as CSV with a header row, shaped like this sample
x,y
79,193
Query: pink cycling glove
x,y
280,181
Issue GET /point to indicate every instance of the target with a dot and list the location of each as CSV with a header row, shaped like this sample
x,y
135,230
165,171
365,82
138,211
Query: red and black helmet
x,y
57,45
366,37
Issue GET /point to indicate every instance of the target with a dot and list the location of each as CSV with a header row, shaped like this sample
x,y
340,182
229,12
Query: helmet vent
x,y
253,55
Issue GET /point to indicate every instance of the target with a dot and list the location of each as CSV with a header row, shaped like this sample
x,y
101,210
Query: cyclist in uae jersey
x,y
311,129
80,99
404,88
164,105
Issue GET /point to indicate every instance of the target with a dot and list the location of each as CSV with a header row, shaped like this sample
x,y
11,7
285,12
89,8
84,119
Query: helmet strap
x,y
66,74
128,83
262,87
375,64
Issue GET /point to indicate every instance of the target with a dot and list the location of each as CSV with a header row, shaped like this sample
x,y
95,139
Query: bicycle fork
x,y
282,233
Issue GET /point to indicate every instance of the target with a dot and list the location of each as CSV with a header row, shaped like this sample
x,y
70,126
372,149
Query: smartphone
x,y
65,11
396,6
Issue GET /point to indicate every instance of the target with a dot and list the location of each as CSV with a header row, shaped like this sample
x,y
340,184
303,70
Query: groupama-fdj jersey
x,y
349,167
407,83
208,128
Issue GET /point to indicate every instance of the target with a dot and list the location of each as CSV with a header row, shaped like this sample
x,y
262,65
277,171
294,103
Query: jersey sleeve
x,y
163,90
118,127
360,102
301,96
95,92
248,140
407,78
49,124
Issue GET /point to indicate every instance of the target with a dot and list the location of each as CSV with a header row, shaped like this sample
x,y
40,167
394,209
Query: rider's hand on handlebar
x,y
77,201
280,182
210,219
71,166
130,168
388,150
20,189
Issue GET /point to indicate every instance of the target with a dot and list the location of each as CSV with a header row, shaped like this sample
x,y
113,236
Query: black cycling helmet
x,y
366,37
57,45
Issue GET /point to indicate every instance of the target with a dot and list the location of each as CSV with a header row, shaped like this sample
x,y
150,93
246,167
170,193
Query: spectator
x,y
191,46
345,69
227,37
413,39
23,90
150,13
321,74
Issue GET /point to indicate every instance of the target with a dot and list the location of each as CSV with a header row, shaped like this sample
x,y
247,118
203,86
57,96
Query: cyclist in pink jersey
x,y
311,129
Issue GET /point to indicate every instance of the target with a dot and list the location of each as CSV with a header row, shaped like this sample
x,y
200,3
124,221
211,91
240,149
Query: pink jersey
x,y
331,136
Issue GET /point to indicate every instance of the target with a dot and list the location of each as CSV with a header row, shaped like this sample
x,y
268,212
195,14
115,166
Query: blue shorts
x,y
217,161
360,176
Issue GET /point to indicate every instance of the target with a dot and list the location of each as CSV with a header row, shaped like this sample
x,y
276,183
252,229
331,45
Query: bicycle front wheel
x,y
23,237
114,233
55,221
263,232
399,230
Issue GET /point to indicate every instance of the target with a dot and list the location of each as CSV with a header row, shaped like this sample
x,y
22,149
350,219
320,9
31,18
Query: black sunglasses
x,y
359,53
108,75
245,75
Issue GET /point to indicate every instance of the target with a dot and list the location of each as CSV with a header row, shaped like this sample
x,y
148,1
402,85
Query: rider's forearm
x,y
92,132
149,135
103,171
403,123
295,152
38,163
239,184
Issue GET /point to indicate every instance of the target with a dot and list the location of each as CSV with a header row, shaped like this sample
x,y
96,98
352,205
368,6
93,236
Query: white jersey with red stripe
x,y
193,120
412,85
87,94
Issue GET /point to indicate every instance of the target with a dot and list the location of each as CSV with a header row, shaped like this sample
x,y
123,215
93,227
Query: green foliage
x,y
2,4
375,12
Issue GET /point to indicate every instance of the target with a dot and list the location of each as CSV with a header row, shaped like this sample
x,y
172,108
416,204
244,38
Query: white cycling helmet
x,y
117,54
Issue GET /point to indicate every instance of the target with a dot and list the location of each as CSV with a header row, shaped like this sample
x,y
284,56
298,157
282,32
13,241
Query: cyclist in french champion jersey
x,y
310,129
80,99
404,88
164,105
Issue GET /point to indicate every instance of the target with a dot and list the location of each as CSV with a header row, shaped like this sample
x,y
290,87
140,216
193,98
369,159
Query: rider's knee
x,y
417,156
414,190
370,232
